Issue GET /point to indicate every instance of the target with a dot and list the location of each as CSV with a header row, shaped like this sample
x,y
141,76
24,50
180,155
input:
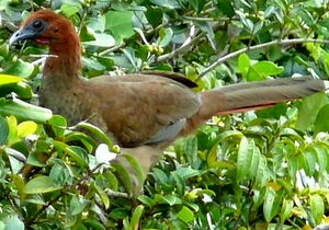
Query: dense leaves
x,y
259,170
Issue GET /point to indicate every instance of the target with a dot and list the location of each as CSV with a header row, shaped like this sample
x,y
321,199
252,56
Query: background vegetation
x,y
257,170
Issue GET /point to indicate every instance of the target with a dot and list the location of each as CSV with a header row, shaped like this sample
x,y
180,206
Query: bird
x,y
142,112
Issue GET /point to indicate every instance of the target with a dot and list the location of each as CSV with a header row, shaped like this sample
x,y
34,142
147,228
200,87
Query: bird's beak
x,y
21,35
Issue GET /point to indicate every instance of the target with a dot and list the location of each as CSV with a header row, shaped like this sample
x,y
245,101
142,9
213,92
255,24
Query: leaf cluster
x,y
259,170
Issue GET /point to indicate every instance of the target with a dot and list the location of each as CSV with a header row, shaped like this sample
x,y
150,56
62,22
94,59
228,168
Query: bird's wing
x,y
144,109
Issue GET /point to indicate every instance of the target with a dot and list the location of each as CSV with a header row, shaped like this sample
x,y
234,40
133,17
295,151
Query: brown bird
x,y
143,112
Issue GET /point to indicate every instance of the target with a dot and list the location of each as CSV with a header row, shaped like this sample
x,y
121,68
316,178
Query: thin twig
x,y
112,49
152,30
181,49
141,34
200,19
259,46
41,210
112,193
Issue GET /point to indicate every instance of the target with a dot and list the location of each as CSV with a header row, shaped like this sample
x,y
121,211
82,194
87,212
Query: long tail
x,y
252,96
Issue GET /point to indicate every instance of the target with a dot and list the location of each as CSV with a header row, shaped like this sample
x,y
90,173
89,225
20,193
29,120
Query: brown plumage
x,y
143,112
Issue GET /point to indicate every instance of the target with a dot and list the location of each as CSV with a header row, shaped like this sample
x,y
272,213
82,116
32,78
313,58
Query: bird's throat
x,y
65,59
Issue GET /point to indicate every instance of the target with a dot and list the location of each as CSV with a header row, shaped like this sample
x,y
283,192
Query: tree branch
x,y
112,49
179,50
258,46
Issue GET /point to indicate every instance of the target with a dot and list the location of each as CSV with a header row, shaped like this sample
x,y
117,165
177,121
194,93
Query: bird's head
x,y
45,27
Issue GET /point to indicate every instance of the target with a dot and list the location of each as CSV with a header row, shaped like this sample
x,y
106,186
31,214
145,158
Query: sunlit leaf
x,y
24,110
186,215
317,208
8,79
135,219
26,128
40,184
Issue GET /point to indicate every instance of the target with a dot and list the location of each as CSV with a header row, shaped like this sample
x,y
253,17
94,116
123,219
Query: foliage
x,y
258,170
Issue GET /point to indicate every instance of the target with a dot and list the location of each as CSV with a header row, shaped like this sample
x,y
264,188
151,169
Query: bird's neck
x,y
63,66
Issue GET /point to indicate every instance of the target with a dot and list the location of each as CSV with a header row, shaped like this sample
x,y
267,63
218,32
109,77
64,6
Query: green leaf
x,y
4,130
136,166
36,159
146,200
13,223
120,24
58,124
286,211
77,205
186,214
154,16
97,132
135,219
170,4
225,7
69,9
104,197
168,199
9,79
187,173
23,110
198,4
94,224
88,142
310,160
160,176
322,158
273,112
101,40
26,128
22,89
269,204
244,159
321,122
119,213
124,176
309,110
20,68
61,173
93,63
262,69
16,159
78,154
40,184
317,208
254,162
166,35
244,64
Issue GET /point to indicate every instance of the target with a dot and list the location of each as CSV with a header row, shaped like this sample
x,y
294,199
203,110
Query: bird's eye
x,y
37,24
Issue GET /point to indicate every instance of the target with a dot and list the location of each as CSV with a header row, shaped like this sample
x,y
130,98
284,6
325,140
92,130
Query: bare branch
x,y
181,49
112,49
258,46
112,193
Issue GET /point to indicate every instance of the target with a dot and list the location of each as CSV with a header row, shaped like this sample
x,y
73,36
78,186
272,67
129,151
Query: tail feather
x,y
252,96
